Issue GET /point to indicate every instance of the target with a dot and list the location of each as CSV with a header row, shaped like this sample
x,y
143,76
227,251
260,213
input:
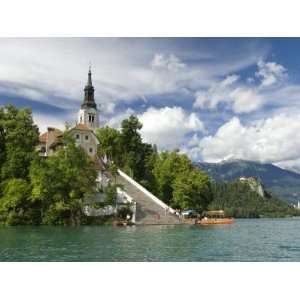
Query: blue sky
x,y
213,98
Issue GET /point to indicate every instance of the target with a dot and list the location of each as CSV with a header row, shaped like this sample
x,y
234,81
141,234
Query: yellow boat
x,y
214,217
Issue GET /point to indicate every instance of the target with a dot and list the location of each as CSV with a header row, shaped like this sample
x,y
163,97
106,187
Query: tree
x,y
132,145
167,166
192,190
126,148
15,202
113,169
18,139
110,144
62,182
111,194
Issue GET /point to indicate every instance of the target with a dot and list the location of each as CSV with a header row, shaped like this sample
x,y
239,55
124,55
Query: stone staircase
x,y
147,211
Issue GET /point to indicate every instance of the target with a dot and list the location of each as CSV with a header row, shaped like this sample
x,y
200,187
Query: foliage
x,y
237,199
167,166
125,147
192,190
110,144
61,183
36,190
110,192
15,200
18,139
113,169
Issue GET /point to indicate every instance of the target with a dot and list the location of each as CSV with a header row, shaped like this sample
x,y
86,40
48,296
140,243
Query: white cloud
x,y
168,62
116,120
241,98
270,73
53,71
275,140
245,99
43,121
168,126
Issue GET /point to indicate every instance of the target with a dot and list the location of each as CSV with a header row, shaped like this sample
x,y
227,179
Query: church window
x,y
92,119
91,150
86,137
77,136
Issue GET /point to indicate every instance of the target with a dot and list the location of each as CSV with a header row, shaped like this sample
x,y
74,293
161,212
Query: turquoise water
x,y
246,240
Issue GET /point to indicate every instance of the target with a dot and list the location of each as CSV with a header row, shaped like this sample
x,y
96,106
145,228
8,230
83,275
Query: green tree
x,y
111,194
113,169
192,190
15,202
62,182
132,145
18,139
126,149
167,166
110,144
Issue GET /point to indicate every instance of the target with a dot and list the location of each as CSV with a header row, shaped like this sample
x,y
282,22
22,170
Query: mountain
x,y
284,183
294,169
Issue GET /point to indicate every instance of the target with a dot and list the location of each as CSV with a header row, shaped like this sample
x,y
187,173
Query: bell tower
x,y
88,113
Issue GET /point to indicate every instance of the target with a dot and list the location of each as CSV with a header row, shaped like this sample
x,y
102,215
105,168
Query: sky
x,y
212,98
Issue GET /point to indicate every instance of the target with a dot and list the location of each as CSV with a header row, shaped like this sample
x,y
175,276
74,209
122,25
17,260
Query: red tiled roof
x,y
82,127
43,138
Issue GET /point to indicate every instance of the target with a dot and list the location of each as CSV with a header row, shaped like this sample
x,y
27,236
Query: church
x,y
146,208
84,130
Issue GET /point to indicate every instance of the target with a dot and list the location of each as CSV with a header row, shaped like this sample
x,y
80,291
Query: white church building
x,y
84,130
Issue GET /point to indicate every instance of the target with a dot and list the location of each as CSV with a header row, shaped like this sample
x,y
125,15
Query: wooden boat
x,y
214,217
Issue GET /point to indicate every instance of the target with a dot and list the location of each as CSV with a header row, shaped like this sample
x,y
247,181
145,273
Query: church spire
x,y
89,83
89,100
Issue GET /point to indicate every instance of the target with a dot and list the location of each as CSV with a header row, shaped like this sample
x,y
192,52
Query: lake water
x,y
246,240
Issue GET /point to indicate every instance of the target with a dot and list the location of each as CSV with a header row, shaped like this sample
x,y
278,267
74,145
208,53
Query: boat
x,y
214,217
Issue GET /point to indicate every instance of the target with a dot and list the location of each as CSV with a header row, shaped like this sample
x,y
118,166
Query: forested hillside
x,y
238,200
284,183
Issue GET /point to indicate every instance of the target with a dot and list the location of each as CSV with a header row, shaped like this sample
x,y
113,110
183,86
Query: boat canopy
x,y
211,213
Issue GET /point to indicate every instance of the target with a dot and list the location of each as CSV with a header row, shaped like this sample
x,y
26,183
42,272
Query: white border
x,y
149,18
149,281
